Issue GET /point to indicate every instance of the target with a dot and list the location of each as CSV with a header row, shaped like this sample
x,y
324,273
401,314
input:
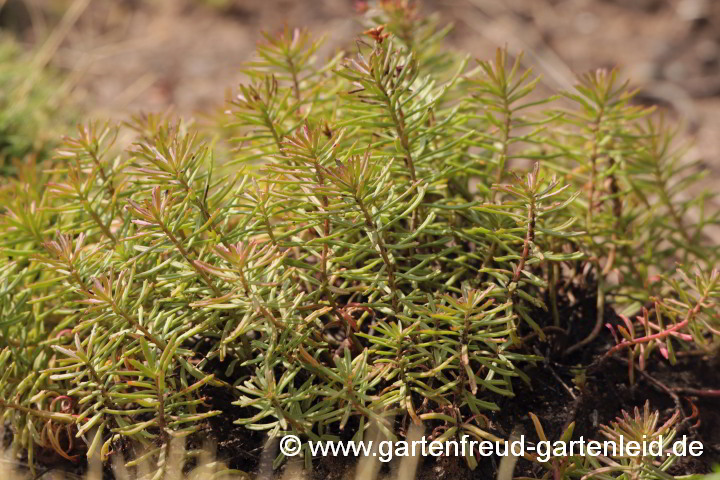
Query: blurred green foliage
x,y
33,108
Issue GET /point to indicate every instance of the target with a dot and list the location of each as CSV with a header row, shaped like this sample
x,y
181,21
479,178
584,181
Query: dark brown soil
x,y
605,393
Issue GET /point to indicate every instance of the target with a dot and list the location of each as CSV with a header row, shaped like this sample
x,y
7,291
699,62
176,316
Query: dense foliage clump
x,y
367,254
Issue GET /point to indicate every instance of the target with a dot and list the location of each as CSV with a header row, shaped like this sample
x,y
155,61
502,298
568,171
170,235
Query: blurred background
x,y
111,58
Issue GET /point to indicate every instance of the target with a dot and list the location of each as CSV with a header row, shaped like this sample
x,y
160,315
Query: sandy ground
x,y
137,55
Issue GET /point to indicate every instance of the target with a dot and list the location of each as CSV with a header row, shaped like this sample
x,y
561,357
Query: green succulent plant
x,y
367,255
649,458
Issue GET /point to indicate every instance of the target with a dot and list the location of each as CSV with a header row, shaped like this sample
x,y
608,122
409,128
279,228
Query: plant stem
x,y
398,119
599,317
162,423
656,336
186,255
697,392
296,83
595,130
159,343
370,224
553,280
202,205
39,413
501,172
505,144
529,239
326,233
98,220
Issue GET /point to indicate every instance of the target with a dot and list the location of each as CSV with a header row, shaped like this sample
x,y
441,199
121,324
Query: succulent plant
x,y
366,255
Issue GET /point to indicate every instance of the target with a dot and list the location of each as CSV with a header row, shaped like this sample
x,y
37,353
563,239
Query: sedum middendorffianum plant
x,y
645,428
366,255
